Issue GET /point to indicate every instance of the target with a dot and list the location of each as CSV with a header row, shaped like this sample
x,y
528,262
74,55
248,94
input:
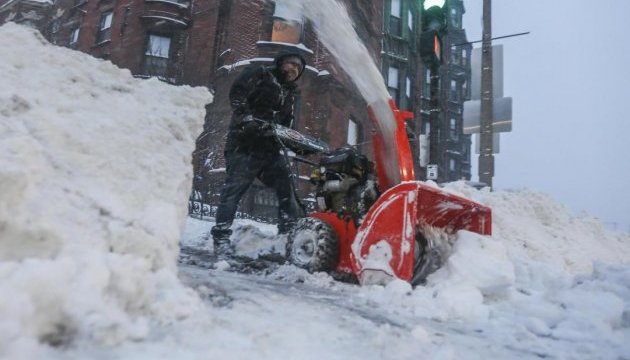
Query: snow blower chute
x,y
379,237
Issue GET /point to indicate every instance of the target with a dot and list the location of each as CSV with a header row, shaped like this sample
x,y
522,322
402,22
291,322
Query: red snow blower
x,y
378,233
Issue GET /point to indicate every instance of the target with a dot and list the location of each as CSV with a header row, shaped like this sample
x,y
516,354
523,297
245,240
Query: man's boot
x,y
222,246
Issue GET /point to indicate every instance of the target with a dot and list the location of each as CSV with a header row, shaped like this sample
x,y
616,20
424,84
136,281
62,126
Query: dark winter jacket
x,y
262,93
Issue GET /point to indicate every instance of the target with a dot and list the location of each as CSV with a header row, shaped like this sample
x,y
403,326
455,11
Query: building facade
x,y
454,157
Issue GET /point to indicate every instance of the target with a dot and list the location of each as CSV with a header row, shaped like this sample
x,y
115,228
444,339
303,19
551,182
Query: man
x,y
259,98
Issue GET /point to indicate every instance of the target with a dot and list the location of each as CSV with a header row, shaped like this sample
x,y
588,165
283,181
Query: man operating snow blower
x,y
260,98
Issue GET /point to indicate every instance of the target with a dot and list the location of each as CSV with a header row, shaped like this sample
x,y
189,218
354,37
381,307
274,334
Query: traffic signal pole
x,y
486,153
433,28
434,119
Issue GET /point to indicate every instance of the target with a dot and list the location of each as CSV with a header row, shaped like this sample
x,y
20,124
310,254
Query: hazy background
x,y
569,81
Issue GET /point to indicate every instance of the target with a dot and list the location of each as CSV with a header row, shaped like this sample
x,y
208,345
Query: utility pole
x,y
486,156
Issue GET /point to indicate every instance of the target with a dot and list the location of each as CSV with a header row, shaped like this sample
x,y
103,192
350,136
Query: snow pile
x,y
544,279
95,176
535,227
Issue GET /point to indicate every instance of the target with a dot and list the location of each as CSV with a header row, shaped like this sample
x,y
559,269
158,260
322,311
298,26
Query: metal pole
x,y
434,118
486,157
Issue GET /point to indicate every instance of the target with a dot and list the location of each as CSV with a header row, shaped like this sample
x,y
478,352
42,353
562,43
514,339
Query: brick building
x,y
210,42
453,157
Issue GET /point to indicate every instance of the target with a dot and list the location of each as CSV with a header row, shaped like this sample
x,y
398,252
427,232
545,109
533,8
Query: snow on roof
x,y
162,17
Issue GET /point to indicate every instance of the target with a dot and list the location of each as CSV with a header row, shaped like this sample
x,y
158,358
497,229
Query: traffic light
x,y
433,27
431,47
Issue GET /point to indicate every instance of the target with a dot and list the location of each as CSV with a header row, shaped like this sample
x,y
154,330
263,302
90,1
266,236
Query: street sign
x,y
432,172
501,119
497,72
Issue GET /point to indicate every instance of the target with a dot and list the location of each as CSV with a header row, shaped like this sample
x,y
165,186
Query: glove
x,y
249,126
255,126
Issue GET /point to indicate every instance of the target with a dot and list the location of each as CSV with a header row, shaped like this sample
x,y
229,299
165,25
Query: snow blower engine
x,y
345,184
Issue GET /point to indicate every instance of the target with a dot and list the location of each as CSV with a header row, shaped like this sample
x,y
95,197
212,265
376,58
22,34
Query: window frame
x,y
395,18
104,32
74,35
154,62
396,87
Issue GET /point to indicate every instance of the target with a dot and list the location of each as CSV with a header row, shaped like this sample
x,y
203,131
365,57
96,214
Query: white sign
x,y
497,72
432,172
423,156
501,115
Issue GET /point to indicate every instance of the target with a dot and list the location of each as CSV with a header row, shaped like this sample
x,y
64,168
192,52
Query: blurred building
x,y
454,157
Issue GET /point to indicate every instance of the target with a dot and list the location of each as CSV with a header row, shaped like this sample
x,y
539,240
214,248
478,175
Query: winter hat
x,y
293,59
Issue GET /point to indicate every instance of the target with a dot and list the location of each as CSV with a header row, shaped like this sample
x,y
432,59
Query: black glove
x,y
249,125
255,126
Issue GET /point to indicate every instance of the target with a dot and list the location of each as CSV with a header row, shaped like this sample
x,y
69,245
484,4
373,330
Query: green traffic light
x,y
431,3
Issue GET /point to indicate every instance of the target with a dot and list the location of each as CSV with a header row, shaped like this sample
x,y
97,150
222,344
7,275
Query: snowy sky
x,y
568,79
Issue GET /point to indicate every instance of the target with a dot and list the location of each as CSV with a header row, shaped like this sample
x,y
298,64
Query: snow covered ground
x,y
94,178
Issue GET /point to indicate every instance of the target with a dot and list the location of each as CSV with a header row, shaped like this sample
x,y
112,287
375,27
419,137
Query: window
x,y
159,46
287,25
105,28
157,55
410,20
408,93
456,55
455,17
74,36
392,83
353,133
395,23
451,164
453,129
453,90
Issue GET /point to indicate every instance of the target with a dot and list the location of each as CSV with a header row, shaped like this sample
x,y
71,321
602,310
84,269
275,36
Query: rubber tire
x,y
313,245
427,259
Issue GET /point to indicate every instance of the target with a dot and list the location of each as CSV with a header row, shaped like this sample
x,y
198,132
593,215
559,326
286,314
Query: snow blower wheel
x,y
427,259
313,245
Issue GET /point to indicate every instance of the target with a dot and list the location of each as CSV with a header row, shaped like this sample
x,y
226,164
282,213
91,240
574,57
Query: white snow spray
x,y
335,31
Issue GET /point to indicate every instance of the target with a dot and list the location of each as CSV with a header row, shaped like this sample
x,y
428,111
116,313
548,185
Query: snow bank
x,y
95,176
546,281
535,227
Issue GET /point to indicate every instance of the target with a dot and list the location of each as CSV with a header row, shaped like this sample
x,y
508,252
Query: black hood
x,y
280,58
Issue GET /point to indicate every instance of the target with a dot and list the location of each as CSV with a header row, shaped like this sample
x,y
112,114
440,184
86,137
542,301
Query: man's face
x,y
291,71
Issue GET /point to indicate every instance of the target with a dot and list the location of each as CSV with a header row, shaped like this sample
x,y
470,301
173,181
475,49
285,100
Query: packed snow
x,y
95,177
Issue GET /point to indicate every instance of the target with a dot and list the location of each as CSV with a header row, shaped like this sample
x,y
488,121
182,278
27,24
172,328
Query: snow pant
x,y
242,169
